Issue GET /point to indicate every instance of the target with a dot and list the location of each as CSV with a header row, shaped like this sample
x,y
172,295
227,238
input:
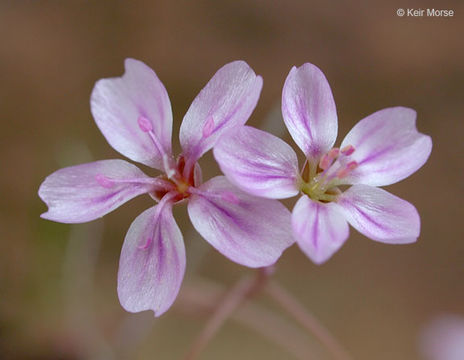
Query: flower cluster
x,y
238,214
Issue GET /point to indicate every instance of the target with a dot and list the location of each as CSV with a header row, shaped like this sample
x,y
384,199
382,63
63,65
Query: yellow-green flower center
x,y
320,178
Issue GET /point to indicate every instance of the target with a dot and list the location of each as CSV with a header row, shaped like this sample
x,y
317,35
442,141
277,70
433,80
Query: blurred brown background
x,y
58,282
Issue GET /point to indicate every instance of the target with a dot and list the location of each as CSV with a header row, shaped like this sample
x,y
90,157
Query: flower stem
x,y
306,319
243,289
199,298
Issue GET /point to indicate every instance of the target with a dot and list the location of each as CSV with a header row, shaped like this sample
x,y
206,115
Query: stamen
x,y
144,124
158,184
328,158
208,127
333,153
146,245
344,172
324,162
332,168
347,150
104,181
147,127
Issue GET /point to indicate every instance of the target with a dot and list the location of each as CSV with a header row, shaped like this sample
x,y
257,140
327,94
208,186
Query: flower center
x,y
320,180
181,177
182,184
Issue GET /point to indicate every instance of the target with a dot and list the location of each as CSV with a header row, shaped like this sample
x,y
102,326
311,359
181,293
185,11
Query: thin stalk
x,y
294,308
200,298
243,289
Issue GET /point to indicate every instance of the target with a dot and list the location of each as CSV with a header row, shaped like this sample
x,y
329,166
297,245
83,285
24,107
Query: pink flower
x,y
134,114
381,149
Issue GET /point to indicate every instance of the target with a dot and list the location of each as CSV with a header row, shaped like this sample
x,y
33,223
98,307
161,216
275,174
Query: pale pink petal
x,y
226,101
380,215
258,162
319,229
308,108
249,230
388,147
125,108
152,263
88,191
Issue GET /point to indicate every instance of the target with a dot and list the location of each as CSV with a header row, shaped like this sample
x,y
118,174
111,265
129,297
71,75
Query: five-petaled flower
x,y
134,114
381,149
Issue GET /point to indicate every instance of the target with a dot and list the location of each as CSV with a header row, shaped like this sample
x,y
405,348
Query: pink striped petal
x,y
258,162
152,263
388,147
249,230
308,108
319,229
226,101
380,215
88,191
125,108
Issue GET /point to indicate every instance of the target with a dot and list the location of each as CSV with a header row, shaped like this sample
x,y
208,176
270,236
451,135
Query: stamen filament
x,y
159,184
147,127
312,169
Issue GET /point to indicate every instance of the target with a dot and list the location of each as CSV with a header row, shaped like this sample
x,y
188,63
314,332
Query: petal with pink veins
x,y
258,162
249,230
380,215
309,112
152,263
319,229
86,192
125,108
388,147
226,101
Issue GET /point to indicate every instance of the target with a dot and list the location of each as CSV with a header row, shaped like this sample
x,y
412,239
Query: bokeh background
x,y
58,282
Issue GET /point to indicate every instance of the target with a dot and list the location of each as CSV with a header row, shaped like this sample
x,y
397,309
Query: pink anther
x,y
328,158
344,172
146,245
144,124
347,150
104,181
333,153
208,127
